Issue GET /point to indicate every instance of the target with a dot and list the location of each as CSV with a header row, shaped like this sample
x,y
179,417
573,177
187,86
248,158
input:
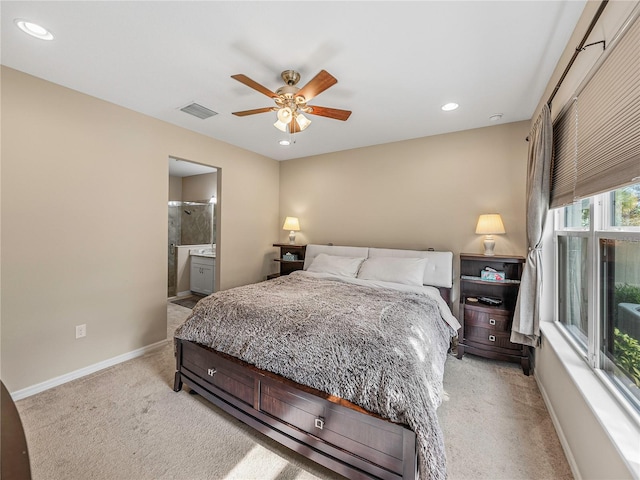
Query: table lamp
x,y
293,225
490,225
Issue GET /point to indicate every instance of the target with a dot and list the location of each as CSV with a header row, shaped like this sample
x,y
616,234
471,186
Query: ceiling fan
x,y
291,101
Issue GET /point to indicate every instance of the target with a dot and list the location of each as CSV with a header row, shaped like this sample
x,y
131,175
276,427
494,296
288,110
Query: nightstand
x,y
288,266
486,329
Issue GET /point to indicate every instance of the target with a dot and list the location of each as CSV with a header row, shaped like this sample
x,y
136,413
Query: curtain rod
x,y
579,49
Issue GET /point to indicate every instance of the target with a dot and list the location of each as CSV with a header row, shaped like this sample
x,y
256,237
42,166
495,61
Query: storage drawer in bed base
x,y
351,458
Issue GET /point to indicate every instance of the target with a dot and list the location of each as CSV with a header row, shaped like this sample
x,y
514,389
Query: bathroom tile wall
x,y
196,224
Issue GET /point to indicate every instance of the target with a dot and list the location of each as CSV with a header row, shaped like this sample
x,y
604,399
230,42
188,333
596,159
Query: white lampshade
x,y
291,224
303,122
281,126
285,114
490,224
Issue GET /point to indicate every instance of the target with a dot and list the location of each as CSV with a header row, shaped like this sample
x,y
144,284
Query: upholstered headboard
x,y
438,273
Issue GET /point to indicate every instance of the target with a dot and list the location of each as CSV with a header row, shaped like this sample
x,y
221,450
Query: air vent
x,y
198,111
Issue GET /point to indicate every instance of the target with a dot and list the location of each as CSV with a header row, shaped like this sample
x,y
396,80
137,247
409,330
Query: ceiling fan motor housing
x,y
287,91
290,77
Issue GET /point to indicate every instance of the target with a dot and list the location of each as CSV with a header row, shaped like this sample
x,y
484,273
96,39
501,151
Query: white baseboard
x,y
54,382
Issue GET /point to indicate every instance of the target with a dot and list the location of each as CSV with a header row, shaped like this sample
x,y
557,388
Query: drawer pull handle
x,y
320,423
492,338
211,372
492,321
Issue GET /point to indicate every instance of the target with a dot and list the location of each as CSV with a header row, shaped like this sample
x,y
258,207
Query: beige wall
x,y
199,187
415,194
591,451
84,225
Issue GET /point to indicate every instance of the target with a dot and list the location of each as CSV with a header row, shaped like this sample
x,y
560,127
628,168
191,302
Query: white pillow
x,y
408,271
336,265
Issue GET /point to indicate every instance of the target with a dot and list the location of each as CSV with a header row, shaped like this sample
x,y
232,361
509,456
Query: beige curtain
x,y
526,319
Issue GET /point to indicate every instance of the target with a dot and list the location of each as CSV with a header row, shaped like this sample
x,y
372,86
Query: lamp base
x,y
292,237
489,245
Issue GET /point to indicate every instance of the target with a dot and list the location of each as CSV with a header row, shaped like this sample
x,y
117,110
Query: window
x,y
577,215
625,207
572,286
598,288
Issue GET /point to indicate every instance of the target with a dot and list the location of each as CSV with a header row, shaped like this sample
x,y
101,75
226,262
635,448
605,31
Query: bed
x,y
341,362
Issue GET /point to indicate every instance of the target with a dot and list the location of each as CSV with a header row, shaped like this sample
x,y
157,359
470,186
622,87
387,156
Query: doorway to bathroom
x,y
193,213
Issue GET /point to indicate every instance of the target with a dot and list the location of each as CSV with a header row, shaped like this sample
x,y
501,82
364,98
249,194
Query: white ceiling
x,y
181,168
396,62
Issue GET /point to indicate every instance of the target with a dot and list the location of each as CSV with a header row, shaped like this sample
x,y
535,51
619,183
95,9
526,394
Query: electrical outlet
x,y
81,330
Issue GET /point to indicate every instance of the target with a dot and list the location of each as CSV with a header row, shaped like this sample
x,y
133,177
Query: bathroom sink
x,y
203,251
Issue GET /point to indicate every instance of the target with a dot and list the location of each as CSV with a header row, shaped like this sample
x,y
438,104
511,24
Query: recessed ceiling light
x,y
449,106
33,29
495,117
284,143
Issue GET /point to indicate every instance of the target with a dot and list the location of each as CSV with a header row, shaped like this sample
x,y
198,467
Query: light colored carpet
x,y
126,422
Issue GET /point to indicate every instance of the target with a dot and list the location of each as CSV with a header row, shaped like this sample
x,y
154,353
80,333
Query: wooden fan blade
x,y
255,85
244,113
294,127
317,85
330,112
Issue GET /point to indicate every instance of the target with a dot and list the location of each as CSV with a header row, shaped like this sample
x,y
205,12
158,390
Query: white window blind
x,y
597,139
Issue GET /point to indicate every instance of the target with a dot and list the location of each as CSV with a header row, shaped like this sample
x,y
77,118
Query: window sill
x,y
622,427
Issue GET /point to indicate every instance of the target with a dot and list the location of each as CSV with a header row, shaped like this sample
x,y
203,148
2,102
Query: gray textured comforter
x,y
378,348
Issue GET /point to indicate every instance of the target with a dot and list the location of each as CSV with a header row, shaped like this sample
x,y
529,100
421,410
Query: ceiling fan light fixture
x,y
291,101
281,126
285,115
303,122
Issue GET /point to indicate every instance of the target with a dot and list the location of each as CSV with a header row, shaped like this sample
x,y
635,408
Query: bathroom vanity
x,y
203,268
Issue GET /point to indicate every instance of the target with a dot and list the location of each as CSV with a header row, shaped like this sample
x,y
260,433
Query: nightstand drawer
x,y
490,337
493,319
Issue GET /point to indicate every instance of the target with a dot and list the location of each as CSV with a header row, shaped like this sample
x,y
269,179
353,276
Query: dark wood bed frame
x,y
326,429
